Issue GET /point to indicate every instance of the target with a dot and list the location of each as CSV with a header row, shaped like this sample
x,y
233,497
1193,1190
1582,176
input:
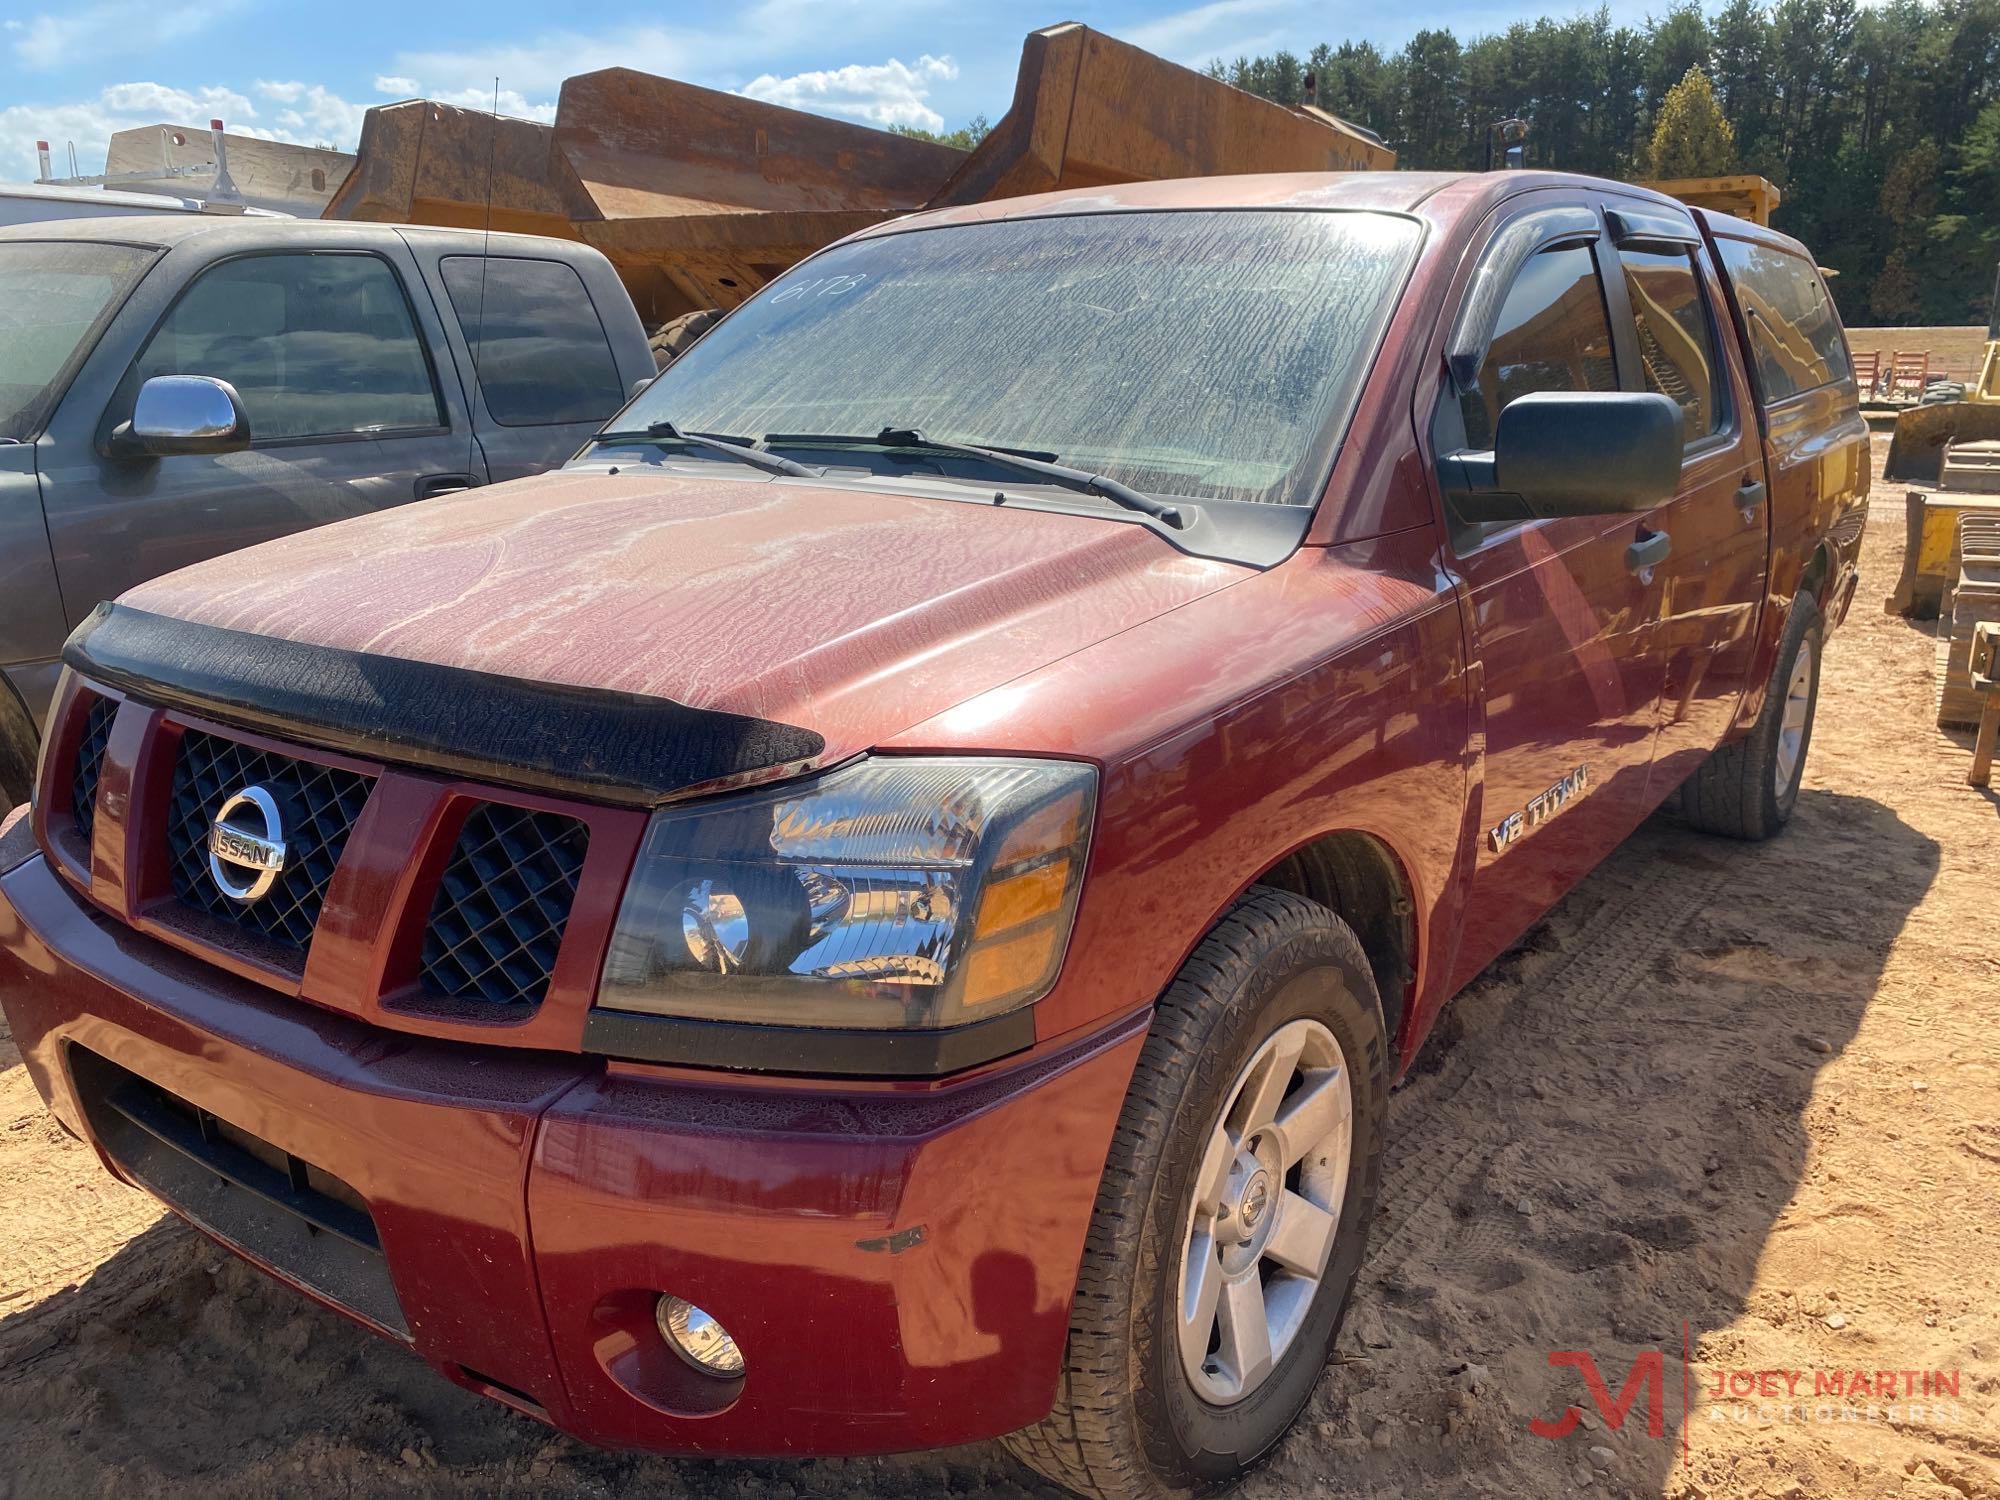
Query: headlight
x,y
912,894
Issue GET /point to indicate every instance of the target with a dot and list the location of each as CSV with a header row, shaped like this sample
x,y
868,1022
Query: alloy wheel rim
x,y
1265,1212
1797,716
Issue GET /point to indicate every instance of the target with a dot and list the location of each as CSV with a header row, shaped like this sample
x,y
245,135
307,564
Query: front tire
x,y
1232,1215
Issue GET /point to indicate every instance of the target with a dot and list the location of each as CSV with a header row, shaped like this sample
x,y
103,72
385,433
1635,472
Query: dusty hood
x,y
844,611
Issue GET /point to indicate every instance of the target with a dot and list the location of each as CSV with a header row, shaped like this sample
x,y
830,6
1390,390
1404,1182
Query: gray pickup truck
x,y
173,388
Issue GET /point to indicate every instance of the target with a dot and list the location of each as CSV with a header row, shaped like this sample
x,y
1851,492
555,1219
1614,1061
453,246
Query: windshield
x,y
1213,355
53,295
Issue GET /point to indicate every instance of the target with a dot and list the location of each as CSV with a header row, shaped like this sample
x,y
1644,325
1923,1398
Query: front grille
x,y
501,908
90,763
318,805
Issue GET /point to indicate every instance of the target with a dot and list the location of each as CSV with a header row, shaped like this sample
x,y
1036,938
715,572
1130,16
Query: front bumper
x,y
896,1261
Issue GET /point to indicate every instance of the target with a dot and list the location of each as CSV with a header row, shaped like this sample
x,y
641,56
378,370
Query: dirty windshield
x,y
53,294
1214,355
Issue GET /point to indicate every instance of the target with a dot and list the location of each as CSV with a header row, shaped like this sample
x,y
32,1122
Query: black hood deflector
x,y
546,737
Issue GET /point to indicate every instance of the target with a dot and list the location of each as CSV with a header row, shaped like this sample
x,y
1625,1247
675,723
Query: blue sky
x,y
306,73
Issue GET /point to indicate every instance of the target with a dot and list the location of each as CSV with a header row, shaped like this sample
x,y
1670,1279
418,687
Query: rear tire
x,y
1278,972
1748,788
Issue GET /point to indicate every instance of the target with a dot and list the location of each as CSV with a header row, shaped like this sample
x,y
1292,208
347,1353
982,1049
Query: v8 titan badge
x,y
1541,807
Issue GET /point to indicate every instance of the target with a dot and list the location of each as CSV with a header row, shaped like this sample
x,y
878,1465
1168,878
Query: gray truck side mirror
x,y
184,414
1571,453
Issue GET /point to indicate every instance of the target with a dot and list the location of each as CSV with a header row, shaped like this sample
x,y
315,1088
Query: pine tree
x,y
1830,99
1691,138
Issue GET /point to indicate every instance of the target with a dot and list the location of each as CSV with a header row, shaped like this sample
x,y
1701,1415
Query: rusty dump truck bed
x,y
700,197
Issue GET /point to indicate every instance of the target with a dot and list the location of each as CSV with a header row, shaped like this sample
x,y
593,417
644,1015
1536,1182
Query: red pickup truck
x,y
881,906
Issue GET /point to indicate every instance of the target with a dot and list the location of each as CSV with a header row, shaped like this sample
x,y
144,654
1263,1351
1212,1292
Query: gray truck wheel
x,y
1232,1214
1748,788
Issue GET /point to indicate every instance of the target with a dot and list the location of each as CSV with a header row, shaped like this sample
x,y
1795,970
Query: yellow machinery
x,y
1951,553
699,197
1955,444
1747,195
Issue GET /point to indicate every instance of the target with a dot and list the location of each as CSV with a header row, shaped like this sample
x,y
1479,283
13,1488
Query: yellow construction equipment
x,y
1954,443
1951,552
1747,196
700,197
1969,612
1090,110
1930,540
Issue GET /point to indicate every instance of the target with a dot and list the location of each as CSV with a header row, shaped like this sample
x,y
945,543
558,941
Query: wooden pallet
x,y
1867,371
1909,373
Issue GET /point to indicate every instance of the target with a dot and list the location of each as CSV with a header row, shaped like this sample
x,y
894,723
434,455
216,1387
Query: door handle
x,y
429,485
1646,554
1750,498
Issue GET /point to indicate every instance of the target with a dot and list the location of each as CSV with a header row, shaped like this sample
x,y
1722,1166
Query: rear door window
x,y
319,345
1795,334
1553,334
541,352
1676,337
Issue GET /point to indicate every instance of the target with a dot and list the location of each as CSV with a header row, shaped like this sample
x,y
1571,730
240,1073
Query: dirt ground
x,y
1749,1097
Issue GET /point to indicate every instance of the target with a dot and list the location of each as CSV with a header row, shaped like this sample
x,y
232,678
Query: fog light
x,y
697,1337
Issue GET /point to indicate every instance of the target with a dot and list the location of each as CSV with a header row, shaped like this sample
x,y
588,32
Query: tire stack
x,y
671,340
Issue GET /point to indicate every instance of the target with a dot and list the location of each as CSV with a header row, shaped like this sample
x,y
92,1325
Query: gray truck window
x,y
1676,336
1795,335
316,345
1203,354
54,297
1552,334
542,354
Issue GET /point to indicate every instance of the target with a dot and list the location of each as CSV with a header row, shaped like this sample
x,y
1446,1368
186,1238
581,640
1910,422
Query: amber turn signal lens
x,y
998,971
1015,899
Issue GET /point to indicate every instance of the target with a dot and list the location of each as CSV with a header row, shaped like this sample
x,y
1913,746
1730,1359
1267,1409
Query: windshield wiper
x,y
666,432
1063,474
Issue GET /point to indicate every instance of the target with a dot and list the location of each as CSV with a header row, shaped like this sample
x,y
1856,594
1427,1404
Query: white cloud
x,y
531,72
312,115
510,102
317,114
537,67
1221,27
93,33
889,93
163,105
714,50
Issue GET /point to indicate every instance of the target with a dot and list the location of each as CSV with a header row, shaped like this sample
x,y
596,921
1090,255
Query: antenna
x,y
473,397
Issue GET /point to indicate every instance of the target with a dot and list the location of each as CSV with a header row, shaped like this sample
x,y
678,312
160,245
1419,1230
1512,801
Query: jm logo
x,y
1648,1374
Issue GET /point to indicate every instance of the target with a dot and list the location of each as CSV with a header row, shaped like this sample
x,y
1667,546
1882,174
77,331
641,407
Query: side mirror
x,y
184,414
1571,453
639,385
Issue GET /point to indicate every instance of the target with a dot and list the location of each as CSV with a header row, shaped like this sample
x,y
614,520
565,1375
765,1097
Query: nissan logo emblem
x,y
246,845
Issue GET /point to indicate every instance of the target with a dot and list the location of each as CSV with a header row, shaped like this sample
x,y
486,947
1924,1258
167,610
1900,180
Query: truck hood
x,y
846,611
